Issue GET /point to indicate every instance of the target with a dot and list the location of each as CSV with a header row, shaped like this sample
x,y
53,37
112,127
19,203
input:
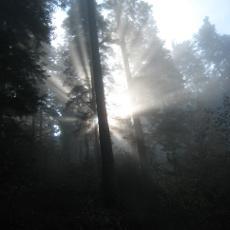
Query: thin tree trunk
x,y
97,146
80,154
104,134
136,119
86,141
33,127
40,124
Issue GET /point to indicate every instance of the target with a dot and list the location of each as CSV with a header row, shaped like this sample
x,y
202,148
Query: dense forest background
x,y
111,130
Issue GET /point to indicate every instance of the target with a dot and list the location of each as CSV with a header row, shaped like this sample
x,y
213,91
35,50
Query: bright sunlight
x,y
175,19
121,106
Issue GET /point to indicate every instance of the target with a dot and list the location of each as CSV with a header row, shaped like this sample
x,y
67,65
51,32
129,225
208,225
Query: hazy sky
x,y
178,20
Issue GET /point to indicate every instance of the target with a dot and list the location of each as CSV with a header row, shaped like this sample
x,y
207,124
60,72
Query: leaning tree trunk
x,y
86,142
104,134
136,119
40,124
141,149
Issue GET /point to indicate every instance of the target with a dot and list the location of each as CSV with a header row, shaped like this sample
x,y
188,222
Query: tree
x,y
118,24
147,65
214,49
24,28
104,134
85,72
190,65
204,64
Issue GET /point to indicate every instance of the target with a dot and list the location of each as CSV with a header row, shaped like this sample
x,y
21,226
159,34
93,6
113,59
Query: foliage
x,y
25,26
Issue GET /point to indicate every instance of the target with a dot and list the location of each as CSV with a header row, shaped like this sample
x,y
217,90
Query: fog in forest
x,y
115,114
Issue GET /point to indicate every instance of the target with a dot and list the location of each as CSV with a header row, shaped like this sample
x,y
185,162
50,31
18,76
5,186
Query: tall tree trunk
x,y
104,134
97,146
136,119
80,153
40,124
86,142
33,117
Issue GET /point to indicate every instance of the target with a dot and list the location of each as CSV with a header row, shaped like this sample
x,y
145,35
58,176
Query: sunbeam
x,y
58,87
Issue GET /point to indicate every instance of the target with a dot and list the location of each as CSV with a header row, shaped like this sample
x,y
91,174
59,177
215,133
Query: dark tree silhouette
x,y
25,26
104,134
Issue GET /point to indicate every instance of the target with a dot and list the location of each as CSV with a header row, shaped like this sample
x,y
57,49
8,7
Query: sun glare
x,y
176,20
121,107
59,32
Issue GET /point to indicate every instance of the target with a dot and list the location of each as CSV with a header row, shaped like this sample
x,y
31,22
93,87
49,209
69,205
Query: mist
x,y
114,115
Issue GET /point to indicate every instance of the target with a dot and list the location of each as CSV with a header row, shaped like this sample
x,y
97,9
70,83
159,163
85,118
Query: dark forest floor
x,y
69,197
